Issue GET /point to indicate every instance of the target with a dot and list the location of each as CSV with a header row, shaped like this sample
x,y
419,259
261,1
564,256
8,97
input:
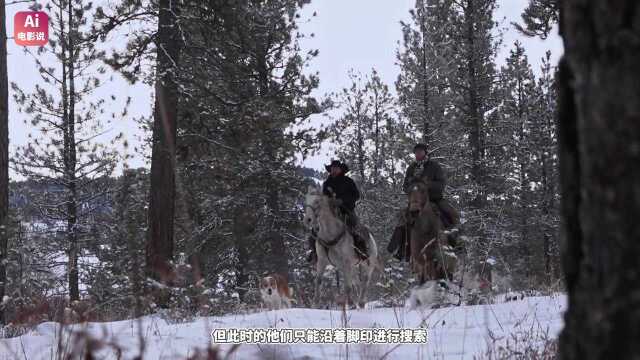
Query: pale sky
x,y
358,34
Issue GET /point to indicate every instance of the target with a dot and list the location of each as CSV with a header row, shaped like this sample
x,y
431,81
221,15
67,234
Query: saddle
x,y
358,231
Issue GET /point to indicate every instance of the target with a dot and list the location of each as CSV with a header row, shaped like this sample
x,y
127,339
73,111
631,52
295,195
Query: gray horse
x,y
334,245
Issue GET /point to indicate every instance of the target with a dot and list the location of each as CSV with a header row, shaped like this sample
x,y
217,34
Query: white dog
x,y
432,294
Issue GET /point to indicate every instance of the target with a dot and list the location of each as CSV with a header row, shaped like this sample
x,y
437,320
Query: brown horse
x,y
431,257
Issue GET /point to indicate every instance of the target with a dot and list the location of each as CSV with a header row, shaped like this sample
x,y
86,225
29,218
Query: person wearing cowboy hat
x,y
341,187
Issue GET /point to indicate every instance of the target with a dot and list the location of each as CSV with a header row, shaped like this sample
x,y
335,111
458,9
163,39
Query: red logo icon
x,y
31,28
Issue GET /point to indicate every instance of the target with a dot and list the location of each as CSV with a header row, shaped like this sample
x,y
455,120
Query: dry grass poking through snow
x,y
522,329
533,345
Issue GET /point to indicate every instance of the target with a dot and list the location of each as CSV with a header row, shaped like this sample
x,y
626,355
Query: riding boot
x,y
395,241
312,257
405,247
449,214
352,222
451,221
399,244
395,246
360,245
359,242
351,219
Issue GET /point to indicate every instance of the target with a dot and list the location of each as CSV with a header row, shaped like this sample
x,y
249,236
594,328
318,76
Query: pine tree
x,y
243,95
539,17
474,108
33,260
245,90
547,147
382,105
160,242
367,133
66,153
473,83
159,40
118,278
425,59
519,154
354,127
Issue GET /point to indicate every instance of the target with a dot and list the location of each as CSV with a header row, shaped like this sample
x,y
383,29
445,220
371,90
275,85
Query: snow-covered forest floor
x,y
463,332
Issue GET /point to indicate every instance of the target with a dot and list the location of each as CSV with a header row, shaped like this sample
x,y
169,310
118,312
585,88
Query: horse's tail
x,y
378,264
376,259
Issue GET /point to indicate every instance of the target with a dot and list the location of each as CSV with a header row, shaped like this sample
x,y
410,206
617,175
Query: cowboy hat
x,y
338,163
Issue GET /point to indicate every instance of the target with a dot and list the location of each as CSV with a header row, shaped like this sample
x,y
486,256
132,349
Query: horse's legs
x,y
321,264
347,267
365,288
318,282
432,273
356,282
426,272
359,283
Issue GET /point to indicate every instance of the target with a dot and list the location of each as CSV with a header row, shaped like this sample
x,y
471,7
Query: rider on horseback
x,y
345,191
425,168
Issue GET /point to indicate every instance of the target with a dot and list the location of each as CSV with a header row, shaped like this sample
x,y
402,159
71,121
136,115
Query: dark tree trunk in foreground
x,y
599,135
163,158
4,155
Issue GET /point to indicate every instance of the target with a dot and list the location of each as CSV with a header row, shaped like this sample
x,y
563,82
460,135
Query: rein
x,y
424,248
333,241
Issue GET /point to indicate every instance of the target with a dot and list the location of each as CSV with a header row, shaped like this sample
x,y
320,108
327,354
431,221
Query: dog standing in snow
x,y
432,294
275,292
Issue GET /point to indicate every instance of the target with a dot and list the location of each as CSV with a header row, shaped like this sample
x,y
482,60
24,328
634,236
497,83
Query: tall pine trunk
x,y
277,250
376,144
546,207
279,261
159,247
69,150
244,225
475,112
70,167
4,156
548,164
599,142
425,78
546,231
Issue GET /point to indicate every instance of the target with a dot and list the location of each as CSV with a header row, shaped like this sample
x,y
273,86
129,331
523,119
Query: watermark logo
x,y
31,28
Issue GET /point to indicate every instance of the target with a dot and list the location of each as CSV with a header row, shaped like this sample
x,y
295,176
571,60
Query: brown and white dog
x,y
275,292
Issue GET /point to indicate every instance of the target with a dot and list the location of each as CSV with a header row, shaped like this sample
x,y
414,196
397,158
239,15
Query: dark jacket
x,y
344,188
432,172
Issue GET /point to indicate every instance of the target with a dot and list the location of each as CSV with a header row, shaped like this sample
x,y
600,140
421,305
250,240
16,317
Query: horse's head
x,y
312,203
418,195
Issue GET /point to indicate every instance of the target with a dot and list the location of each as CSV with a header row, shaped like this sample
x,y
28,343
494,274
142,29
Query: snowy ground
x,y
453,332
